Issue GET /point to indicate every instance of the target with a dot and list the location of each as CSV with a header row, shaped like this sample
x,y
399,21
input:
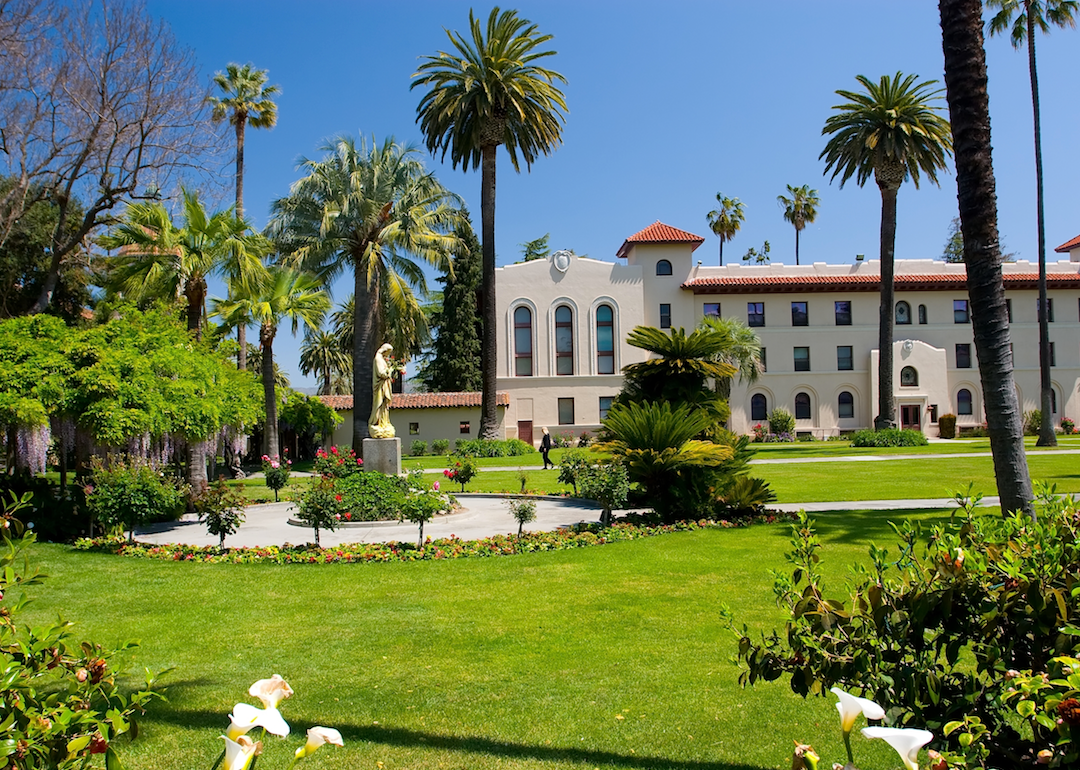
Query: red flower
x,y
333,450
338,498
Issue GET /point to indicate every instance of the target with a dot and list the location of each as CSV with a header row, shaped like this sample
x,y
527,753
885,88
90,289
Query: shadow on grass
x,y
473,744
868,526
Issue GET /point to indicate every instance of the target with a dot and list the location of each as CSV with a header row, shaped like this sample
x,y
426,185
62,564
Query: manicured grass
x,y
611,656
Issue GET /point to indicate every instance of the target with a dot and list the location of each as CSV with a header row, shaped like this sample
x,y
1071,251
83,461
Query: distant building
x,y
421,417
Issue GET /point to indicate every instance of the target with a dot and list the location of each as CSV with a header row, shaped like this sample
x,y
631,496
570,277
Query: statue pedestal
x,y
383,455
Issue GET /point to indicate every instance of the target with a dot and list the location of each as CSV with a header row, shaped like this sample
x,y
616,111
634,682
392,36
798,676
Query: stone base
x,y
383,455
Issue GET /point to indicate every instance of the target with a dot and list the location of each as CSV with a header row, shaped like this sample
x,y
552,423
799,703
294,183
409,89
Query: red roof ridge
x,y
1068,245
658,232
447,400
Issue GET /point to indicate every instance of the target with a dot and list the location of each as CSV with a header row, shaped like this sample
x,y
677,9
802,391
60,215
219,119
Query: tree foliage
x,y
726,219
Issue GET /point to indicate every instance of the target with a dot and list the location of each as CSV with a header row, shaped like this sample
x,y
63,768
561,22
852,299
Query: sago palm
x,y
893,131
682,367
377,211
1020,18
726,219
491,90
800,210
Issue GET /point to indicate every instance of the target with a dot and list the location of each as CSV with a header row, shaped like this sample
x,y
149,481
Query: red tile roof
x,y
420,401
658,232
801,283
1068,245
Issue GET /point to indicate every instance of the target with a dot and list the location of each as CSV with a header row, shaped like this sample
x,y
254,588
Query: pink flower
x,y
435,486
359,461
333,450
446,473
266,457
275,464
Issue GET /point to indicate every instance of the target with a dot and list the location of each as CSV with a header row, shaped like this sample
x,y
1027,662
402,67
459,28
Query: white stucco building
x,y
563,324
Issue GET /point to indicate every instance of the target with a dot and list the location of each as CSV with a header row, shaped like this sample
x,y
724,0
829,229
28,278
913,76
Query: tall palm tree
x,y
800,209
893,131
726,219
969,107
322,354
377,211
247,100
160,259
1020,18
285,294
491,91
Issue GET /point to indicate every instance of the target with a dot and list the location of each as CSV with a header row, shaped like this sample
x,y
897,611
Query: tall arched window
x,y
903,312
909,377
523,348
605,340
845,405
564,340
759,407
802,406
1053,401
922,314
663,267
963,401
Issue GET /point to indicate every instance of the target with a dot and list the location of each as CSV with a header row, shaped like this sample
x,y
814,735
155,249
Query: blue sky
x,y
668,106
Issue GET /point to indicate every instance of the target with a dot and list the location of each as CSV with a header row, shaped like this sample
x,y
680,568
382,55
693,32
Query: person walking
x,y
545,447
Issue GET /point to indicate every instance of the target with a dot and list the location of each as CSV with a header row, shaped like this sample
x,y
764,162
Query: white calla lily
x,y
316,737
271,691
239,753
850,706
907,741
245,717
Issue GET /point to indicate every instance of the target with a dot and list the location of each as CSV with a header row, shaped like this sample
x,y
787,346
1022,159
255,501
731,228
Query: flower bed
x,y
444,548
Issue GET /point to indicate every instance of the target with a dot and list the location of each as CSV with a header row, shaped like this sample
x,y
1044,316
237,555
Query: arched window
x,y
663,267
845,405
605,340
1053,401
922,314
802,406
903,312
523,349
963,401
909,377
564,340
759,407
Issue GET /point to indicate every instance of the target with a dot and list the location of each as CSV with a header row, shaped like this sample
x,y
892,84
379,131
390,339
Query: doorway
x,y
911,416
525,431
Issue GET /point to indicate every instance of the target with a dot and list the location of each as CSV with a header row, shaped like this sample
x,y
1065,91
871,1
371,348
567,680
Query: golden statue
x,y
382,380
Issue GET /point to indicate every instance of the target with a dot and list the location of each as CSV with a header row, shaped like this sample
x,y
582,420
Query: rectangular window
x,y
566,411
414,429
1008,308
963,356
761,357
463,428
712,309
1049,309
843,312
605,405
960,311
933,414
1053,355
665,316
844,359
755,313
802,359
799,314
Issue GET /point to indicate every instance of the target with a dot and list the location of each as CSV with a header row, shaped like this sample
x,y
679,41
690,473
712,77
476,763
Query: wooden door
x,y
525,431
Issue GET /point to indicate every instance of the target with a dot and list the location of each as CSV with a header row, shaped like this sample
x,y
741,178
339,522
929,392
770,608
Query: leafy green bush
x,y
747,496
338,463
418,448
421,506
946,424
369,496
462,472
573,460
1068,427
222,508
781,421
276,470
888,437
1032,422
440,446
949,630
482,447
523,510
607,484
124,493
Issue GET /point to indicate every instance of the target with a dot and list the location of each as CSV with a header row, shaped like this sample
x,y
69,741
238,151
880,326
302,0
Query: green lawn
x,y
611,656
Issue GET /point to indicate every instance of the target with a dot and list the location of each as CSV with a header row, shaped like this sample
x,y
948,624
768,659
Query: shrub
x,y
492,447
418,448
747,497
584,439
523,510
1032,422
562,440
440,446
421,506
573,461
276,469
888,437
946,424
320,506
958,630
1068,427
760,433
125,493
338,463
221,508
369,496
607,484
58,514
462,471
781,421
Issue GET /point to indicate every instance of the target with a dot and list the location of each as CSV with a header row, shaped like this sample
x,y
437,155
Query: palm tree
x,y
893,131
725,220
800,210
159,259
1020,18
375,210
680,372
965,79
284,294
322,354
491,91
741,349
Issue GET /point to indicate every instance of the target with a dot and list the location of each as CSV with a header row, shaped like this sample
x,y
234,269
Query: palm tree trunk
x,y
240,124
195,292
1046,430
969,110
241,340
721,252
270,432
489,418
796,245
886,416
364,310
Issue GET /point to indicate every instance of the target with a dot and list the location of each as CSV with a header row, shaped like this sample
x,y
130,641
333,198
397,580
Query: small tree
x,y
607,484
276,469
463,471
125,493
523,510
421,506
222,509
320,507
573,461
